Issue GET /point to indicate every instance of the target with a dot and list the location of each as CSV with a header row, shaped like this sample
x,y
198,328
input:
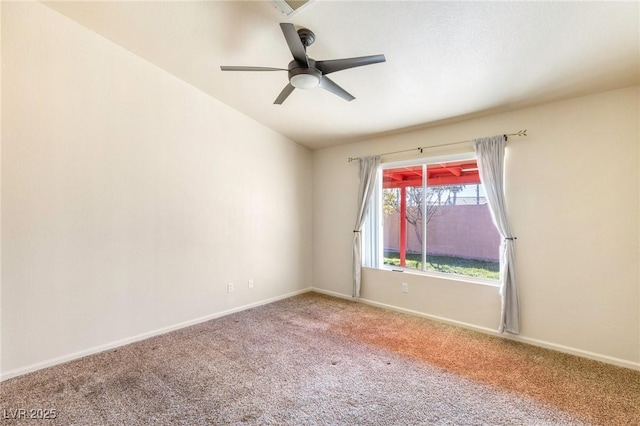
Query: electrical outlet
x,y
230,287
405,287
250,283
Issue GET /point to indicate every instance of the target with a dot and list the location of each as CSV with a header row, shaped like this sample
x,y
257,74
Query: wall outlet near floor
x,y
250,283
405,287
230,287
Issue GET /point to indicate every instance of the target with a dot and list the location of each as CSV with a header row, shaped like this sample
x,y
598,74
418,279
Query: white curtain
x,y
368,176
490,155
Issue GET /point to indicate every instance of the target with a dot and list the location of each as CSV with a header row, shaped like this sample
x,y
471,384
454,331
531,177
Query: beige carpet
x,y
317,360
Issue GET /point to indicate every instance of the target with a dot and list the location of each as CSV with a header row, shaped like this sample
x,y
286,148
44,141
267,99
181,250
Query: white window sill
x,y
439,275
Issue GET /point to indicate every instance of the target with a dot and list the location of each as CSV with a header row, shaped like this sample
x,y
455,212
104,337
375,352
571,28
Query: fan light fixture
x,y
305,81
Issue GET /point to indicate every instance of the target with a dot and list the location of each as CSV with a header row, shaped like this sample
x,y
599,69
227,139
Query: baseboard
x,y
535,342
76,355
97,349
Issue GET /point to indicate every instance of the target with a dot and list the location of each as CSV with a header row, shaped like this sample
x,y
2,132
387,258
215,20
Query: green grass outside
x,y
446,264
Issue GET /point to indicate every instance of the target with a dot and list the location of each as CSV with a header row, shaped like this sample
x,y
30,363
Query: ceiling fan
x,y
307,73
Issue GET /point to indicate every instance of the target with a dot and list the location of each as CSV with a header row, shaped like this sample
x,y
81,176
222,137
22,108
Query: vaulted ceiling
x,y
445,61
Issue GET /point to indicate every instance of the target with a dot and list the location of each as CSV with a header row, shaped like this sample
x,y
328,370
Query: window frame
x,y
373,259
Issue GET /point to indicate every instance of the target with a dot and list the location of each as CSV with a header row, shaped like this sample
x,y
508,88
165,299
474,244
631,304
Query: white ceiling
x,y
445,60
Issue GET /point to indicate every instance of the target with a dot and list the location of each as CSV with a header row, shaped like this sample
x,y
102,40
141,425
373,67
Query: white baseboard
x,y
535,342
80,354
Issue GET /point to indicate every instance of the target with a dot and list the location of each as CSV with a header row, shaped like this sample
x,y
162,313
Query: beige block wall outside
x,y
464,231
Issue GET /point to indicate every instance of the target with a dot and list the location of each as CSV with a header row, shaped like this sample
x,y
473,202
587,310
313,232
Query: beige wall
x,y
130,199
128,195
573,196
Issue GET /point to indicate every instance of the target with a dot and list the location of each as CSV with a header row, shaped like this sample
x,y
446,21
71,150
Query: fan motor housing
x,y
294,64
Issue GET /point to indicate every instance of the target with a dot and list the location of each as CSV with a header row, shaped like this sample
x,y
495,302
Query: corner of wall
x,y
0,191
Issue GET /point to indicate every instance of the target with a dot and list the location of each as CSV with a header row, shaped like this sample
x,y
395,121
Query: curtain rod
x,y
421,148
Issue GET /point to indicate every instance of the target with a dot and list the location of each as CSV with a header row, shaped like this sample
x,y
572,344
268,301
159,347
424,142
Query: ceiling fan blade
x,y
327,67
284,94
327,84
295,45
233,68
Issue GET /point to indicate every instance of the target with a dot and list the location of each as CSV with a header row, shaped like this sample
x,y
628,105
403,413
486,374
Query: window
x,y
433,216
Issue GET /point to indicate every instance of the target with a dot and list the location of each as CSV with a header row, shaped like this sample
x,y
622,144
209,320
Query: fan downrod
x,y
307,37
